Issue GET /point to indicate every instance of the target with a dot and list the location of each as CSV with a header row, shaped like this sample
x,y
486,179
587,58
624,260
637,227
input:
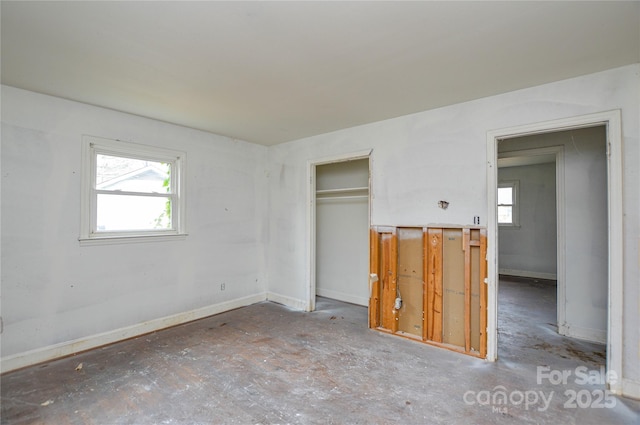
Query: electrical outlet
x,y
222,286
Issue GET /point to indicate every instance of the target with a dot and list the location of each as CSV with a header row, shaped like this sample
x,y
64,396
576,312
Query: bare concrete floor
x,y
267,364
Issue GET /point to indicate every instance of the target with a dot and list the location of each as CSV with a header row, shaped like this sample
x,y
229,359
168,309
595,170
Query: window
x,y
131,191
508,203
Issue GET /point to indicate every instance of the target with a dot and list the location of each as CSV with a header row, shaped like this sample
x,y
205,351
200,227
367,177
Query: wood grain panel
x,y
374,286
433,295
410,280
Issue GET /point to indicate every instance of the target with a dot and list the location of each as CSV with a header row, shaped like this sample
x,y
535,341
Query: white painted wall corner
x,y
631,389
598,336
353,299
288,301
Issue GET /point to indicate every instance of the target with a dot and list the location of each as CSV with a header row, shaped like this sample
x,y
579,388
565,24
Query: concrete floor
x,y
268,364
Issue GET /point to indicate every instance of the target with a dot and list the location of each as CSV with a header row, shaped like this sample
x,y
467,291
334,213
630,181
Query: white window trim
x,y
91,146
515,212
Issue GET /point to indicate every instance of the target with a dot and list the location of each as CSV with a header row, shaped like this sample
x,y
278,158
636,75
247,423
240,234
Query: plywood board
x,y
453,312
388,276
466,235
374,283
475,292
445,269
410,280
483,293
433,293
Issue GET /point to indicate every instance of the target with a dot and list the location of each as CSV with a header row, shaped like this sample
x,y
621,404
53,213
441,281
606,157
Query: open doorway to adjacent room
x,y
553,264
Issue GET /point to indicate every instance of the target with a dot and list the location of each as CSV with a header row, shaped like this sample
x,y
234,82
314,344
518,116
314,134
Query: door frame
x,y
613,125
311,215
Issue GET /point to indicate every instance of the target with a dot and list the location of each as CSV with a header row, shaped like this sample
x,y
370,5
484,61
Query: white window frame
x,y
93,146
515,205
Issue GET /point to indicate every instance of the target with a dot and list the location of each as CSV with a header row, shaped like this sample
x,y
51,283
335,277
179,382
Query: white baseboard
x,y
588,334
288,301
51,352
533,275
630,389
341,296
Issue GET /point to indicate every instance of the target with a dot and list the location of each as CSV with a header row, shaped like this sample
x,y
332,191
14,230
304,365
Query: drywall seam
x,y
55,351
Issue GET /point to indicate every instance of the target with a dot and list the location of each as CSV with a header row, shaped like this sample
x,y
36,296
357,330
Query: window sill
x,y
114,240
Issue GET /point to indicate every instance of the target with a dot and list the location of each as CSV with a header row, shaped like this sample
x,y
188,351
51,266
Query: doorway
x,y
532,207
531,217
339,229
573,231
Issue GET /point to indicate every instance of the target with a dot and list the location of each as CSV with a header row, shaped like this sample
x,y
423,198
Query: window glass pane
x,y
505,195
128,212
505,214
132,175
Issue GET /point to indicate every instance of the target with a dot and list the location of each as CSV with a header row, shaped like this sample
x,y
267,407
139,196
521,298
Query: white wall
x,y
441,155
55,291
529,249
342,248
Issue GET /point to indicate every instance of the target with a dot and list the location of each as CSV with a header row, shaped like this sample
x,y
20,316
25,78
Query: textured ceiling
x,y
271,72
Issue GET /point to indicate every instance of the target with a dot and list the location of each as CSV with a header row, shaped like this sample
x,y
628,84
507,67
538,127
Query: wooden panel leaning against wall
x,y
428,284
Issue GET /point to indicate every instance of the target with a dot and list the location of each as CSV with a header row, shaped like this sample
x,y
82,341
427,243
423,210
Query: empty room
x,y
320,212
